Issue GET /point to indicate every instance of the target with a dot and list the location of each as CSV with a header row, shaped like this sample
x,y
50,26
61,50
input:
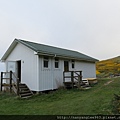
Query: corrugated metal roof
x,y
40,48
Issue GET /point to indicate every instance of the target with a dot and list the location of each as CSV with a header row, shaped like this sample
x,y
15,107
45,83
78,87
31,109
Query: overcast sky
x,y
91,27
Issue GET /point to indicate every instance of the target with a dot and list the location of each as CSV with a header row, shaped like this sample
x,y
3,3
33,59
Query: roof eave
x,y
9,50
65,57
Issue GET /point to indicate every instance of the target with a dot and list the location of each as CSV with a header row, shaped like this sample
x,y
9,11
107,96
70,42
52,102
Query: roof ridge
x,y
49,49
50,46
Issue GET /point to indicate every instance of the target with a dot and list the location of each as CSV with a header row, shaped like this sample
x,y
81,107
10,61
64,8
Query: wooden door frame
x,y
19,70
66,67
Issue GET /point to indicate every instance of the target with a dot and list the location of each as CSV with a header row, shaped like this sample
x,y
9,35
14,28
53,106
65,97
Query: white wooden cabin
x,y
41,66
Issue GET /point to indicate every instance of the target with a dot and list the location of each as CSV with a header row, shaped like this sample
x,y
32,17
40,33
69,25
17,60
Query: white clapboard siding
x,y
28,65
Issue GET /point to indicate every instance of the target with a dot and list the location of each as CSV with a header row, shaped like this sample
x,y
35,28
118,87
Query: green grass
x,y
95,101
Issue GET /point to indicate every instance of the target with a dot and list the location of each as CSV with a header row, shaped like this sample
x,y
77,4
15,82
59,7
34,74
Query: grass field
x,y
95,101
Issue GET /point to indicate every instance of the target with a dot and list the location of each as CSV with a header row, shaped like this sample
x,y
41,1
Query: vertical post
x,y
72,79
80,75
10,81
17,86
63,76
79,80
1,80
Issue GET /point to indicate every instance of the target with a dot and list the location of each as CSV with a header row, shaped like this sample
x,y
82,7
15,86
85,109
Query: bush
x,y
116,104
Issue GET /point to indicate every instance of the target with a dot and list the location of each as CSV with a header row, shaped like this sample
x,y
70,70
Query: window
x,y
73,64
46,60
56,63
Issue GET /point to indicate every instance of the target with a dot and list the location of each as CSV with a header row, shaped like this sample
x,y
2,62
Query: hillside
x,y
106,68
94,101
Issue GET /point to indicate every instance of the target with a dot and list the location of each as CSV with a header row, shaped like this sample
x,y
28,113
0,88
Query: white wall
x,y
45,77
58,75
88,69
52,78
28,65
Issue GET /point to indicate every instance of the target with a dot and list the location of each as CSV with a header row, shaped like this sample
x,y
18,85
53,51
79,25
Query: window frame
x,y
56,62
73,64
66,65
46,62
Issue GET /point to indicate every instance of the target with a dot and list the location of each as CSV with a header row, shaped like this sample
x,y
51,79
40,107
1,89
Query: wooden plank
x,y
18,90
5,72
7,85
63,77
10,81
67,77
1,79
91,78
14,89
70,76
72,79
68,82
6,78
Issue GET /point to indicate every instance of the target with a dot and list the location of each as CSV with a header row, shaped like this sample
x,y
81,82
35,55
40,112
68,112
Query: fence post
x,y
63,76
10,81
79,80
72,79
1,80
80,75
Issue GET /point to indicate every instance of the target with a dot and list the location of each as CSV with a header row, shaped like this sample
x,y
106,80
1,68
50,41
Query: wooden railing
x,y
2,78
73,77
12,83
16,83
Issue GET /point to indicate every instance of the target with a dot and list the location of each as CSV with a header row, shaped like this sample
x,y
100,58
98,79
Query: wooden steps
x,y
13,84
83,85
24,91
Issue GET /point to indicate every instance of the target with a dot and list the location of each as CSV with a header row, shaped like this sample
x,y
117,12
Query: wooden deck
x,y
92,80
73,79
70,84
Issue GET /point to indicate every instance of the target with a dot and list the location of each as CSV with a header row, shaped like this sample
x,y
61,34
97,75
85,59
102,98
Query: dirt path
x,y
108,82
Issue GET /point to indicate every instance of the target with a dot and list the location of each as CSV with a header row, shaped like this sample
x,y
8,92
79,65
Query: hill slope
x,y
94,101
108,67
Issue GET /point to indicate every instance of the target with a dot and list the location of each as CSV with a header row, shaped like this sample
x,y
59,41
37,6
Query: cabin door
x,y
66,65
15,67
18,70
